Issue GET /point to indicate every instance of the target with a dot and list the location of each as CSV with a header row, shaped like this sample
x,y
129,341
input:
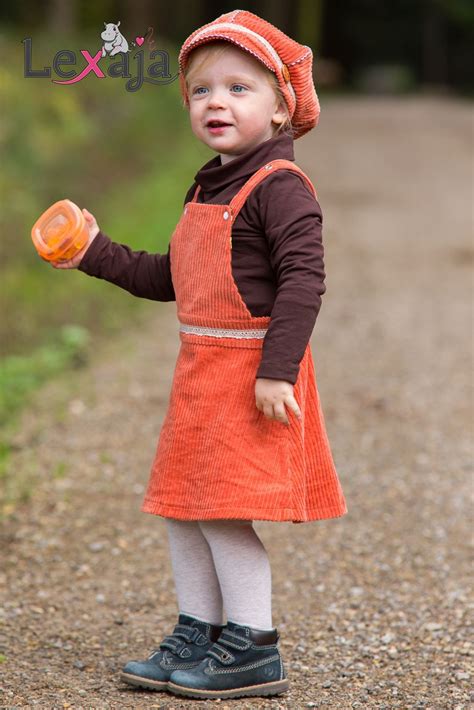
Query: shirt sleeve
x,y
140,273
292,221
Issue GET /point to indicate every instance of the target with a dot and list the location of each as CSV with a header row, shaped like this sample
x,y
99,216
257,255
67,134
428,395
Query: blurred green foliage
x,y
20,374
128,157
460,11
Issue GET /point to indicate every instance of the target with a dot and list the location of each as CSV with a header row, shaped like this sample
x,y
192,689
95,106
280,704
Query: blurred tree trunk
x,y
309,17
278,13
138,15
188,17
173,23
435,63
62,16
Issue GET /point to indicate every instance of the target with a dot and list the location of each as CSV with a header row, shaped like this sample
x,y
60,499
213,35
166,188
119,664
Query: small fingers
x,y
293,405
280,413
268,410
275,411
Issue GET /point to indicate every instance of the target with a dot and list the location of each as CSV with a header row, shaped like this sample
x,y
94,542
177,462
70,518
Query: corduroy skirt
x,y
217,455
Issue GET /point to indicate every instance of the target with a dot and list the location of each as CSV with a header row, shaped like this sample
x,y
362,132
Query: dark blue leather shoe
x,y
243,662
183,649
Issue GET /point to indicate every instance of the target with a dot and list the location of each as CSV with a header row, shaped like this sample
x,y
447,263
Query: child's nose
x,y
217,99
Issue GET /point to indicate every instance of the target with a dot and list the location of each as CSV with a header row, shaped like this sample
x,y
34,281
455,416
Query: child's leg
x,y
197,586
243,569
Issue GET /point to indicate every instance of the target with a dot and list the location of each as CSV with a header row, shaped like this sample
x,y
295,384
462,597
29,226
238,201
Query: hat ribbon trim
x,y
234,26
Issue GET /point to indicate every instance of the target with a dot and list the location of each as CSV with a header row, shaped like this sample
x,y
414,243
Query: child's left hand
x,y
271,397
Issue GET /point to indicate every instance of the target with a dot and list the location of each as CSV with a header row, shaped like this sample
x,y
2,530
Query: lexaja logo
x,y
114,46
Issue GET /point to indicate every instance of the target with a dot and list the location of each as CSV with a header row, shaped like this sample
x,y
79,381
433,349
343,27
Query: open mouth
x,y
214,123
217,126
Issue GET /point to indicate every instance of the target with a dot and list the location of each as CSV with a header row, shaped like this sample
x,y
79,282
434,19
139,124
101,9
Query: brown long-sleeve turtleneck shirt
x,y
277,253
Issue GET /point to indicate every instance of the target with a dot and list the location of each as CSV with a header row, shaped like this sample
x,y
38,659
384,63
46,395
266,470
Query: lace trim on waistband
x,y
223,332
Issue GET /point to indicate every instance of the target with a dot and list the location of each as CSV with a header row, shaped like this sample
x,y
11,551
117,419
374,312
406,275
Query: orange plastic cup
x,y
61,232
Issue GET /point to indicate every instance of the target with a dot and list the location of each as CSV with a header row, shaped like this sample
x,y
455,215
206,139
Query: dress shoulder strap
x,y
280,164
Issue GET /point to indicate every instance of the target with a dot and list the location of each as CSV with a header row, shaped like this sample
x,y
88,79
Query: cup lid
x,y
48,232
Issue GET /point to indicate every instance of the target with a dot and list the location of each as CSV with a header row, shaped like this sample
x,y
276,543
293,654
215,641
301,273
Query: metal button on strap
x,y
226,215
269,166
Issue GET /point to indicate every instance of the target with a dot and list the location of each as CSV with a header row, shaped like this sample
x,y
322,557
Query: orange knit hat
x,y
289,61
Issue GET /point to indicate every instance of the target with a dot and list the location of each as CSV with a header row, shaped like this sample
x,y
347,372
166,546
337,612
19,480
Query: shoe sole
x,y
275,688
140,682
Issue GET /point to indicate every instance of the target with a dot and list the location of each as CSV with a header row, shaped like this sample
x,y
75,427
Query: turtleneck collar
x,y
213,176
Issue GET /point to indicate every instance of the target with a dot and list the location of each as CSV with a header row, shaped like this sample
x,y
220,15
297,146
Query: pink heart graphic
x,y
139,40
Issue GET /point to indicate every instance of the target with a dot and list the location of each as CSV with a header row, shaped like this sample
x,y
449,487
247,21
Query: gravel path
x,y
373,608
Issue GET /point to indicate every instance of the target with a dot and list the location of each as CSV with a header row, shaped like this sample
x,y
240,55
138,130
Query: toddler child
x,y
244,436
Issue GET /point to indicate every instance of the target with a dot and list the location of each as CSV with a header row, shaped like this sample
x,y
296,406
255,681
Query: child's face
x,y
234,91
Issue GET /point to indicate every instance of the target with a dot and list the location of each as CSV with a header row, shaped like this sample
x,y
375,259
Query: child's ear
x,y
280,115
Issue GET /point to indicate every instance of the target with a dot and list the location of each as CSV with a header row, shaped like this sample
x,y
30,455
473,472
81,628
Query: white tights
x,y
221,565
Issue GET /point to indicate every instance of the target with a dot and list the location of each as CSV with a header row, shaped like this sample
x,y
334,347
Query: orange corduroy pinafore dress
x,y
218,456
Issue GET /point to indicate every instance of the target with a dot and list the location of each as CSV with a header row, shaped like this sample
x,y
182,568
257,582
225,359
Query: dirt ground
x,y
373,608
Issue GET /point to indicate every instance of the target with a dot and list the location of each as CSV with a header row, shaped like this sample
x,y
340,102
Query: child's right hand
x,y
76,260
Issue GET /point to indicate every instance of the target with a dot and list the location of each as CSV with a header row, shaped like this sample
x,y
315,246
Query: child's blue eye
x,y
199,89
238,87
